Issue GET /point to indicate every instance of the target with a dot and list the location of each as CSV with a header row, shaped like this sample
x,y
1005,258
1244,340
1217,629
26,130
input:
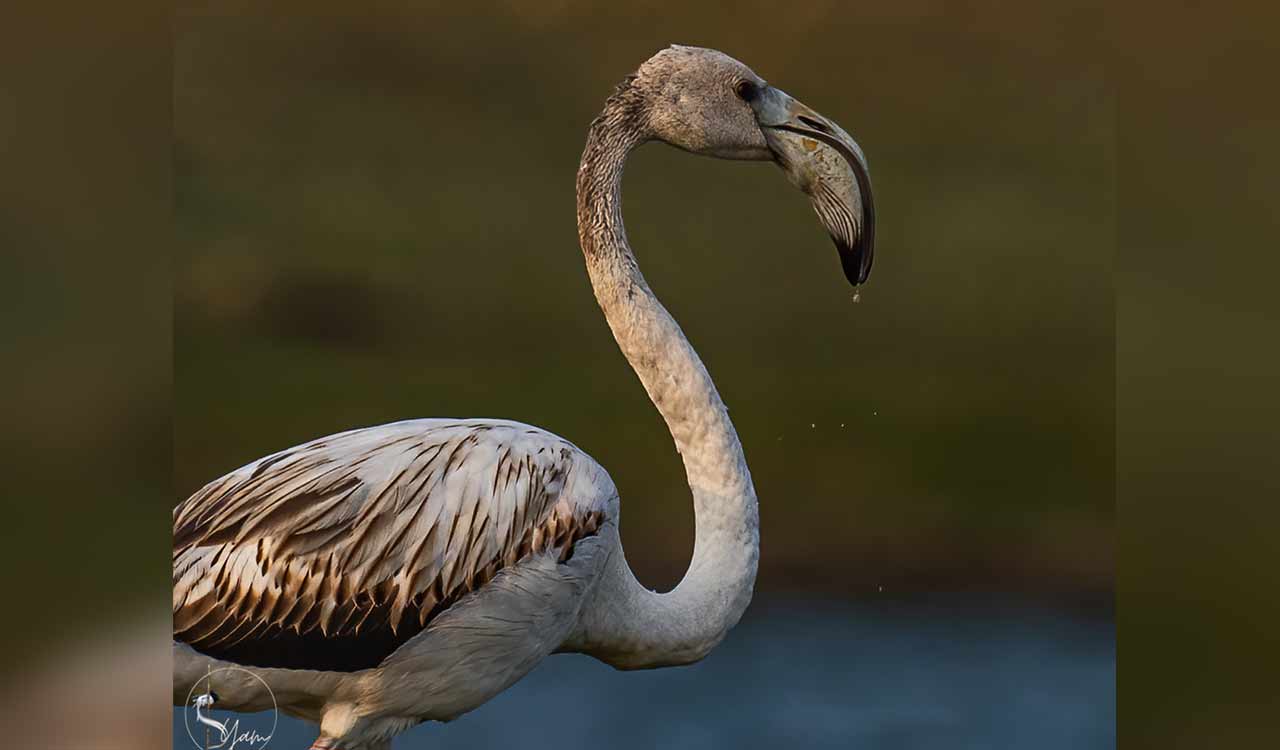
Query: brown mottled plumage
x,y
284,562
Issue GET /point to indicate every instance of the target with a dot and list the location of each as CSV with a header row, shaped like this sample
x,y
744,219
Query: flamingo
x,y
409,572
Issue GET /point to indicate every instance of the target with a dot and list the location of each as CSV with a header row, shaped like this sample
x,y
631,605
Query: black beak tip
x,y
856,261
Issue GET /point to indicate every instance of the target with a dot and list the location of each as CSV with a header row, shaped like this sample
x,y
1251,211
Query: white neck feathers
x,y
625,624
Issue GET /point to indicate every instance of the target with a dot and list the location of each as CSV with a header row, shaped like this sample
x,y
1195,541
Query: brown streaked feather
x,y
332,554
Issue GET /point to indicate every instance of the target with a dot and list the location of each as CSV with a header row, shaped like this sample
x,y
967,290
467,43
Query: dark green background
x,y
375,222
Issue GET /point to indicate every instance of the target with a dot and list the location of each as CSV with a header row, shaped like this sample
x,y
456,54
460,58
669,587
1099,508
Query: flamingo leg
x,y
329,743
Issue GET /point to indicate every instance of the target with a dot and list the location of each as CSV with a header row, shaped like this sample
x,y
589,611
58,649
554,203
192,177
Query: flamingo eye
x,y
746,90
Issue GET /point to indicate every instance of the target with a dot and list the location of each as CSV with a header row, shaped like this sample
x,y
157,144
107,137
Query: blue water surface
x,y
934,672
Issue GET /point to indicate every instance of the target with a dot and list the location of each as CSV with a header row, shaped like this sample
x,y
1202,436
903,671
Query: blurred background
x,y
90,265
935,462
952,430
937,572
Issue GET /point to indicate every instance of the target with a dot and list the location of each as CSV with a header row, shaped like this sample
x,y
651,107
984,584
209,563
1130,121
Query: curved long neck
x,y
626,624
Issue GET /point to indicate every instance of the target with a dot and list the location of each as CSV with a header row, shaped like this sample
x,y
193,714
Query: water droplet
x,y
812,425
857,296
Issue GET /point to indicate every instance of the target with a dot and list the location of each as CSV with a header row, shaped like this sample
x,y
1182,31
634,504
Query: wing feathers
x,y
331,554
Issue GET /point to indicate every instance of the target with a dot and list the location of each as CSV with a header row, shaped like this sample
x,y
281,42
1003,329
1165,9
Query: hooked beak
x,y
827,164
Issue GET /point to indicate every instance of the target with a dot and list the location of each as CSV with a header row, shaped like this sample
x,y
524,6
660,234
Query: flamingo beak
x,y
827,165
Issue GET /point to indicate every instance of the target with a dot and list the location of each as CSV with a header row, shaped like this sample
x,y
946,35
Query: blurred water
x,y
934,673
